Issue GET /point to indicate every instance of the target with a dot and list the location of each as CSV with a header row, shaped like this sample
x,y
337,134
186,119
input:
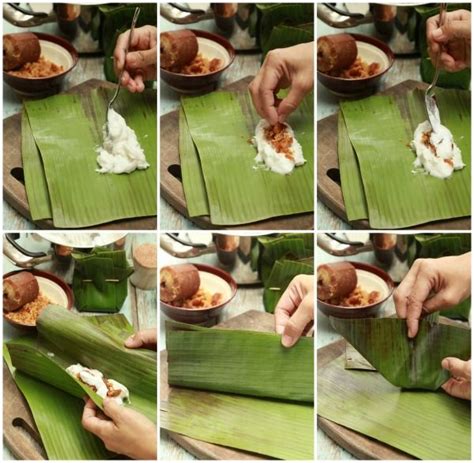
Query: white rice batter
x,y
121,152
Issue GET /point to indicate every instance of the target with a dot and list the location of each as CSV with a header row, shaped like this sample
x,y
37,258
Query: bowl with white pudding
x,y
352,289
192,61
195,293
36,64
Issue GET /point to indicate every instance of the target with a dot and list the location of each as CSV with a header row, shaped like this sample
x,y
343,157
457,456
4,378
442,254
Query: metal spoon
x,y
117,89
430,99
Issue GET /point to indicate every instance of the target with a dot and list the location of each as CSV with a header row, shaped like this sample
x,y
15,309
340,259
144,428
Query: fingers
x,y
452,29
458,388
113,410
295,326
91,421
458,368
290,103
119,52
143,338
141,59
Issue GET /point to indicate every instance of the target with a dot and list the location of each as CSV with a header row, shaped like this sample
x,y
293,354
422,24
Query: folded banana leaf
x,y
283,272
68,130
194,188
380,129
35,180
65,338
260,366
267,427
426,425
100,281
221,125
406,363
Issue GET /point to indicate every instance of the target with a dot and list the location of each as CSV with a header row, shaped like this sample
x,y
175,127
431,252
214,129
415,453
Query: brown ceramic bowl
x,y
211,46
370,278
55,49
211,277
53,287
370,50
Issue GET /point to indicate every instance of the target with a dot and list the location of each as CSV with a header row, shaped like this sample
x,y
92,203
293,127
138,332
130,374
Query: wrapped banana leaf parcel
x,y
241,389
79,174
237,169
401,404
73,356
395,170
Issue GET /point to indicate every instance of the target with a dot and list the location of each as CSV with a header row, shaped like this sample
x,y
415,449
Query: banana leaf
x,y
194,187
221,125
65,338
35,181
267,427
67,130
100,280
380,129
282,273
200,357
351,180
426,425
284,36
406,363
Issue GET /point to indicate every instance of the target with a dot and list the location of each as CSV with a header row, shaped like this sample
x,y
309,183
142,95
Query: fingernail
x,y
281,118
445,364
287,341
437,33
280,329
130,340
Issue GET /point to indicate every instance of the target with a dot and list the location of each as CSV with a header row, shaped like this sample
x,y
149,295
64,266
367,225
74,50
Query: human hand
x,y
295,309
144,338
432,285
285,67
140,61
122,430
453,39
460,383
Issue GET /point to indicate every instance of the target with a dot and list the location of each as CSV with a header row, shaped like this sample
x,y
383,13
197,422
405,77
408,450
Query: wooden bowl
x,y
211,46
55,49
53,287
371,278
370,50
210,276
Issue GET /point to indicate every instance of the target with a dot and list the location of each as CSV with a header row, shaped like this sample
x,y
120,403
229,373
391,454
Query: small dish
x,y
213,279
370,50
51,286
211,46
370,278
55,49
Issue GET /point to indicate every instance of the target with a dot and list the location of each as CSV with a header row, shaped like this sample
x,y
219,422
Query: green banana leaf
x,y
267,427
260,366
67,130
283,272
221,125
380,129
284,36
100,280
426,425
406,363
65,338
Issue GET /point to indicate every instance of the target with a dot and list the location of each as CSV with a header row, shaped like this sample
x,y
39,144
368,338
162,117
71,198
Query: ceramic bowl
x,y
370,278
370,50
211,46
213,279
53,287
55,49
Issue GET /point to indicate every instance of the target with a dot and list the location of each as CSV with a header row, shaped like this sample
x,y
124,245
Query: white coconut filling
x,y
279,162
436,152
121,152
103,387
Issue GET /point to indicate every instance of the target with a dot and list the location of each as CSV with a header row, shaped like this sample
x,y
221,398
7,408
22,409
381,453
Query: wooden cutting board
x,y
252,320
13,179
171,186
357,444
329,184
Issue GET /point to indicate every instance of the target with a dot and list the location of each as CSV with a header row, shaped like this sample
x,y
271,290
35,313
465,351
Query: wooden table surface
x,y
140,307
327,104
326,448
247,298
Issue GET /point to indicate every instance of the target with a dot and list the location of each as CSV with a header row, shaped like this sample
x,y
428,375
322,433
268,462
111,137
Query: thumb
x,y
113,410
452,30
141,59
143,338
295,326
458,368
291,102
